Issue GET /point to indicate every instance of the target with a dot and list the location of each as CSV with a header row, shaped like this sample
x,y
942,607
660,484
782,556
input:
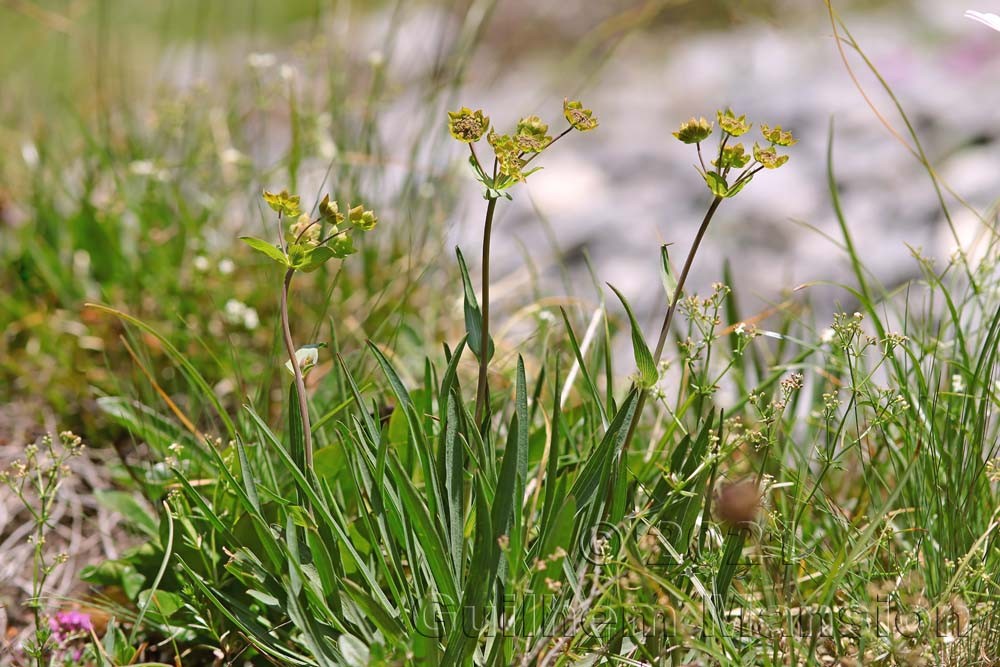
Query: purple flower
x,y
67,624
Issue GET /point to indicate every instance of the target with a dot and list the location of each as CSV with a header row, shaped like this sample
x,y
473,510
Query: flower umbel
x,y
283,203
694,131
580,118
732,157
777,136
733,124
531,135
467,125
734,167
768,157
508,155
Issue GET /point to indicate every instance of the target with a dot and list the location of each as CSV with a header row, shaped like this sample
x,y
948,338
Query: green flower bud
x,y
329,211
581,119
694,131
305,227
733,124
768,157
283,203
364,220
732,157
777,136
467,125
342,246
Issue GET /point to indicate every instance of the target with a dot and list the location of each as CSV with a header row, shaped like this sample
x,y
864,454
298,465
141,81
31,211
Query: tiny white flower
x,y
376,58
827,336
740,329
261,60
957,383
142,168
250,319
201,263
226,266
29,153
986,18
231,156
287,72
306,357
234,311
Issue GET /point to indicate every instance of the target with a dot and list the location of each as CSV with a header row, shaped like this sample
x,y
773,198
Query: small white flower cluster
x,y
239,313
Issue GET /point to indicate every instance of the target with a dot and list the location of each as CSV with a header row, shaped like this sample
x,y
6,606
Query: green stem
x,y
300,384
668,318
482,390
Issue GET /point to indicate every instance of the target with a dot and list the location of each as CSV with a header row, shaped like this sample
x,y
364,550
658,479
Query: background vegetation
x,y
799,489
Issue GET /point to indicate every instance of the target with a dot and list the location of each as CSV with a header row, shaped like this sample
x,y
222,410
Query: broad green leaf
x,y
315,258
115,573
137,514
717,184
161,602
265,248
648,374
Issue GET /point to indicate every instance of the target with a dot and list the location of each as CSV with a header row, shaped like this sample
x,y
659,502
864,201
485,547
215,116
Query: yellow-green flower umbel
x,y
768,157
508,155
732,124
777,136
284,203
694,131
732,157
466,125
581,119
531,135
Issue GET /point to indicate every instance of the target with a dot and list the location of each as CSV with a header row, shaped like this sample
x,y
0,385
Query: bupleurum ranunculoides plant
x,y
732,170
307,244
512,154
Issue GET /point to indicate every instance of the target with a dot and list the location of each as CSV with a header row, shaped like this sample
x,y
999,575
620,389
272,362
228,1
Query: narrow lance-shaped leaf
x,y
473,316
644,362
667,273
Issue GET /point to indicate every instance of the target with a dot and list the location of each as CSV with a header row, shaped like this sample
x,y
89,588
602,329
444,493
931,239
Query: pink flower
x,y
66,624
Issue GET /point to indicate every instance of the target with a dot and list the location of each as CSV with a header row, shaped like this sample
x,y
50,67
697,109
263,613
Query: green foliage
x,y
372,516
